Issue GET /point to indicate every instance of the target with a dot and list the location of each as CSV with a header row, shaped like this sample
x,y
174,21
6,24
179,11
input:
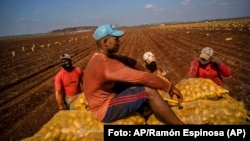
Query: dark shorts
x,y
125,103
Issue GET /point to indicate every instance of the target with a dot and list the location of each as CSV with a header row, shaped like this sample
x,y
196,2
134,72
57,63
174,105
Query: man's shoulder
x,y
119,56
59,73
123,58
196,60
78,68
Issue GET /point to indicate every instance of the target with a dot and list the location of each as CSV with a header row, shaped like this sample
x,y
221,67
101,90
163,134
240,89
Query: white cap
x,y
148,57
65,56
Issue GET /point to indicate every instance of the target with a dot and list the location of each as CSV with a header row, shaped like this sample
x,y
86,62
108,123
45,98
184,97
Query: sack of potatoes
x,y
81,103
195,88
70,125
225,111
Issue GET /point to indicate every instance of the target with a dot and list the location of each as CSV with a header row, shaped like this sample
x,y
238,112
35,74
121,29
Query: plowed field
x,y
29,64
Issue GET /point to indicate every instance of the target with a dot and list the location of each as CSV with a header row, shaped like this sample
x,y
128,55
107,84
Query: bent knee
x,y
150,91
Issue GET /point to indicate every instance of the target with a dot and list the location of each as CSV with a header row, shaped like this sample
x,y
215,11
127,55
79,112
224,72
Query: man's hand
x,y
216,60
175,91
61,107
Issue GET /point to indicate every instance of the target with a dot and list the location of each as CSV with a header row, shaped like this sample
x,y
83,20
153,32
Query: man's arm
x,y
60,100
140,67
225,70
81,81
193,68
131,62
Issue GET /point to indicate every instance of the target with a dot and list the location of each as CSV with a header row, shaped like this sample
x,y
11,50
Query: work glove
x,y
216,60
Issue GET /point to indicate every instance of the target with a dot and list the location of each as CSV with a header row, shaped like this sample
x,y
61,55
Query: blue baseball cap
x,y
106,29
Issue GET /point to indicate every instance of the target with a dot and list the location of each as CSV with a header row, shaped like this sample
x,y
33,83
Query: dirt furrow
x,y
40,96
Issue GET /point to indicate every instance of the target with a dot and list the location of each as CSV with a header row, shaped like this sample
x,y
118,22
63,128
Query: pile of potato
x,y
222,112
81,103
204,103
70,125
194,89
79,124
200,88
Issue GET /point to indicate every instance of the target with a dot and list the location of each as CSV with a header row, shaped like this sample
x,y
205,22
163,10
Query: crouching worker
x,y
68,83
209,66
151,65
117,86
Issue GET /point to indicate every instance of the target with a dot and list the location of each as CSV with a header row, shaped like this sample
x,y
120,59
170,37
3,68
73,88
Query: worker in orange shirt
x,y
117,86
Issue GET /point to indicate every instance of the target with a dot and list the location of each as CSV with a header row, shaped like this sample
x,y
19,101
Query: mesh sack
x,y
69,125
213,112
194,89
81,103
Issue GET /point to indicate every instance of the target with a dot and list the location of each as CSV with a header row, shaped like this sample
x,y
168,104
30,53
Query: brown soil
x,y
27,99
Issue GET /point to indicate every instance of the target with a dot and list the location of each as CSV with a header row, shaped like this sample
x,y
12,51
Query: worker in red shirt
x,y
117,86
68,83
209,66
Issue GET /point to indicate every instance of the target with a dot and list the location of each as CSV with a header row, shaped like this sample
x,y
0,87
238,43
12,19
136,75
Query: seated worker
x,y
68,83
209,66
107,70
151,65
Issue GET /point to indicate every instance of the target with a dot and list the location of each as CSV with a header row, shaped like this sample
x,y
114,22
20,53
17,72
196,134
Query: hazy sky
x,y
19,17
